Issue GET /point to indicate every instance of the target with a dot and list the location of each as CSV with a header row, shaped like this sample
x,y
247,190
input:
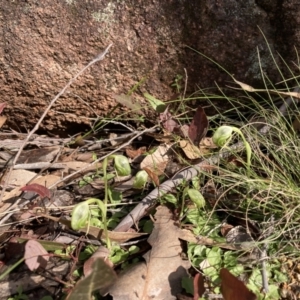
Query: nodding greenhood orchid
x,y
140,179
223,135
122,165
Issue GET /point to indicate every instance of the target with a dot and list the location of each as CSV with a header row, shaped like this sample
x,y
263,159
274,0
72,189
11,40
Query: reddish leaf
x,y
167,120
37,188
198,127
199,288
35,255
233,288
2,106
170,125
225,229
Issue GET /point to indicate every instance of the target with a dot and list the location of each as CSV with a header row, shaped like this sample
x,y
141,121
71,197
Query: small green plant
x,y
119,255
66,252
86,180
20,295
212,259
83,216
177,83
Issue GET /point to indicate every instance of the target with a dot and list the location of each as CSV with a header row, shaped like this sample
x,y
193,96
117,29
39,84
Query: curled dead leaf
x,y
41,190
249,88
198,127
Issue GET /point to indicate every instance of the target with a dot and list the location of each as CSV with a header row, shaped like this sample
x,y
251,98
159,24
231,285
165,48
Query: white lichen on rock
x,y
105,15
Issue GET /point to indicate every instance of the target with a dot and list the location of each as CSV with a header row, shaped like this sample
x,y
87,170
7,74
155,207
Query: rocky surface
x,y
44,43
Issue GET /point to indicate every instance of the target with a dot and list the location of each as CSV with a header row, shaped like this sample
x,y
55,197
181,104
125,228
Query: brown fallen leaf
x,y
18,178
187,235
101,276
46,180
160,278
2,120
225,228
157,161
103,253
190,150
46,154
240,237
167,121
207,143
233,288
133,153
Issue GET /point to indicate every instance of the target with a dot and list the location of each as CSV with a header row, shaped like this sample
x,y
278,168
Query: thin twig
x,y
185,83
36,127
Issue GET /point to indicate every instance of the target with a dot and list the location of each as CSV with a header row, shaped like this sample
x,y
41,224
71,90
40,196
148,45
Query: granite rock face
x,y
44,43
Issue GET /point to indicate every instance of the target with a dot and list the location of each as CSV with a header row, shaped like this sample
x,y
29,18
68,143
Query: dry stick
x,y
36,127
187,174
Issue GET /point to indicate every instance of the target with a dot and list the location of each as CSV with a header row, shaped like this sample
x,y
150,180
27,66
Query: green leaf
x,y
118,255
128,102
211,272
214,257
187,284
148,226
280,277
237,270
85,180
196,197
86,253
114,196
133,249
170,198
156,104
273,292
95,222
